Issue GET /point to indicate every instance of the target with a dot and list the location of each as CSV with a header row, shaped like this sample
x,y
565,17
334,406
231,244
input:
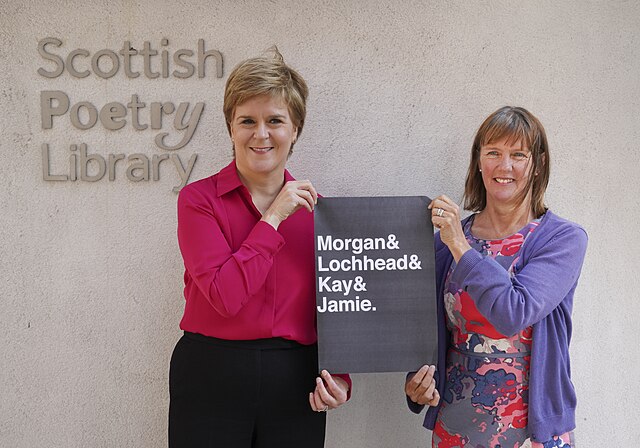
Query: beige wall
x,y
91,274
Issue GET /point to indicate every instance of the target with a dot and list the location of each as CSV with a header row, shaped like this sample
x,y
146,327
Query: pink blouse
x,y
243,279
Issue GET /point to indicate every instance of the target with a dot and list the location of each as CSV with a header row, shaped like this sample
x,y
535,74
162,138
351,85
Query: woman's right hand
x,y
420,387
445,215
294,195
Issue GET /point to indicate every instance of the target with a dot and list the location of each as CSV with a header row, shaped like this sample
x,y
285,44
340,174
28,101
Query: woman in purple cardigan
x,y
506,276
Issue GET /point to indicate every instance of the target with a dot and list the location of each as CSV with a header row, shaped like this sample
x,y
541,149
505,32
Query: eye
x,y
276,121
247,121
520,155
492,154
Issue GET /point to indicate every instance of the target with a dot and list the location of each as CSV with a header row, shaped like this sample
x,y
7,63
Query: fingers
x,y
422,381
302,193
304,189
317,406
444,212
307,185
447,206
445,215
307,200
440,199
292,196
337,387
421,387
329,393
436,398
413,382
430,390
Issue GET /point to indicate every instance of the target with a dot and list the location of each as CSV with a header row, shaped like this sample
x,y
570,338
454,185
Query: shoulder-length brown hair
x,y
516,124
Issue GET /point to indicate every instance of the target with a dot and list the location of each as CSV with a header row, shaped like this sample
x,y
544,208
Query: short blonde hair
x,y
266,75
516,124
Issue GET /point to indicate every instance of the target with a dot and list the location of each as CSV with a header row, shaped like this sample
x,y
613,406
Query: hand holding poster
x,y
375,284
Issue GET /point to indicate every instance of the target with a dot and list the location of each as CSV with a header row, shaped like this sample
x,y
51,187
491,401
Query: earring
x,y
480,169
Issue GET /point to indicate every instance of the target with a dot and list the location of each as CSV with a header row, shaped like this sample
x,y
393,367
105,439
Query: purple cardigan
x,y
539,294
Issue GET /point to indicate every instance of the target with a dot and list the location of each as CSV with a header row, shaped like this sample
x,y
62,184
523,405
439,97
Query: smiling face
x,y
508,131
506,168
262,132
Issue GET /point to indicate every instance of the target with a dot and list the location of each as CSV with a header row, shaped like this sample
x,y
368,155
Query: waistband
x,y
491,355
253,344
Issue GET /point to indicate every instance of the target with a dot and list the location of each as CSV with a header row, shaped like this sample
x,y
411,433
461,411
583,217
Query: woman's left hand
x,y
330,392
420,387
445,215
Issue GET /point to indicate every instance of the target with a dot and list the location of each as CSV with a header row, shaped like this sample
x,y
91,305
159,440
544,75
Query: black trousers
x,y
243,394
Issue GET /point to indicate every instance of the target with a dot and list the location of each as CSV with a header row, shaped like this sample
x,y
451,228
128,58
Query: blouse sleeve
x,y
226,278
512,303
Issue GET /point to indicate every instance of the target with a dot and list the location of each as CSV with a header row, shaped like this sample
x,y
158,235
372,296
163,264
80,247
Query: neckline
x,y
469,224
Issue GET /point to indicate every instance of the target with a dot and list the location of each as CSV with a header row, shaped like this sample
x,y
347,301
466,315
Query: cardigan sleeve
x,y
226,278
512,303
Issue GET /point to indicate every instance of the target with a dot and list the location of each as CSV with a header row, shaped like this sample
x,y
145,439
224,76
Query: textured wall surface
x,y
91,274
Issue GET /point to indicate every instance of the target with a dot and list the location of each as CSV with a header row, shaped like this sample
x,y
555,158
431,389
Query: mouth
x,y
261,149
503,180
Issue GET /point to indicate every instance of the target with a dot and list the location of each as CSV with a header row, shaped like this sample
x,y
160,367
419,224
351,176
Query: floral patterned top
x,y
486,395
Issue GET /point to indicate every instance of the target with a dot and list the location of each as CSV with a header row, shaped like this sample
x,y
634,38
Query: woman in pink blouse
x,y
245,373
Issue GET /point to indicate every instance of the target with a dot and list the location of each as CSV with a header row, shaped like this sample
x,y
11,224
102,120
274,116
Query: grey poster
x,y
375,284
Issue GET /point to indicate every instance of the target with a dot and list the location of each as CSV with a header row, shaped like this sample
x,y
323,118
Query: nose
x,y
506,162
262,131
